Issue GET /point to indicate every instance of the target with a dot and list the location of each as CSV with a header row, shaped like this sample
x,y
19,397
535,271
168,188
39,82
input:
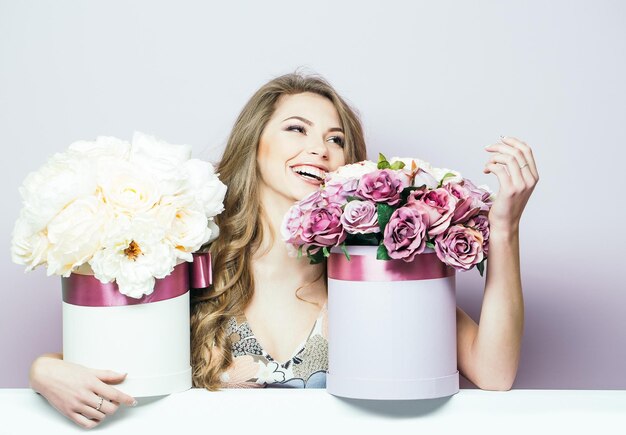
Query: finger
x,y
500,171
112,393
513,168
108,407
526,151
91,413
83,421
516,153
109,376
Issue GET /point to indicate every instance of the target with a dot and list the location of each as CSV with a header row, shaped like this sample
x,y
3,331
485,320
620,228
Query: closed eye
x,y
301,129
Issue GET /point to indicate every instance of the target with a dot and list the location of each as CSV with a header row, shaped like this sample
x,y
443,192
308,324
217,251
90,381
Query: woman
x,y
292,131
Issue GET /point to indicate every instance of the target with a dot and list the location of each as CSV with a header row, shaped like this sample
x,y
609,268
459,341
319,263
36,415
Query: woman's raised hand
x,y
75,390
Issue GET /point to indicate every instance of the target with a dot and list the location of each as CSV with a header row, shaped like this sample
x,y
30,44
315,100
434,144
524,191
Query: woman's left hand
x,y
513,163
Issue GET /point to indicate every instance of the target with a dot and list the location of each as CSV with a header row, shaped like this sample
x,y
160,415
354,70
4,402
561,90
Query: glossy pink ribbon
x,y
368,268
86,290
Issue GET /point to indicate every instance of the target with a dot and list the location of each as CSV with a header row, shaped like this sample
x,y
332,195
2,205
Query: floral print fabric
x,y
253,367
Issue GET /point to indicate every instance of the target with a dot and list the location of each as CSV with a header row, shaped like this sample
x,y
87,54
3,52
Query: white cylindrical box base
x,y
392,339
150,342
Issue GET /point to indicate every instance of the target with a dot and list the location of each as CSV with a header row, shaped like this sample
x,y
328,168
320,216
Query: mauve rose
x,y
338,190
481,192
460,247
360,217
438,204
291,228
481,223
322,226
405,234
467,206
315,199
383,185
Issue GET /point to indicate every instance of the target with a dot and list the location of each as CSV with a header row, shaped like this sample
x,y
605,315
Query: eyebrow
x,y
306,121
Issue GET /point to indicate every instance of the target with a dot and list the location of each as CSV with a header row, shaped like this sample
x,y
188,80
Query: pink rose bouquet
x,y
402,206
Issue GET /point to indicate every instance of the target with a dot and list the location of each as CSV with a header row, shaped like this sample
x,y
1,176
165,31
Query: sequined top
x,y
253,367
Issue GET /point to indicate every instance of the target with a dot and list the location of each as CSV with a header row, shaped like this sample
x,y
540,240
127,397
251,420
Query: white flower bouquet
x,y
129,210
118,220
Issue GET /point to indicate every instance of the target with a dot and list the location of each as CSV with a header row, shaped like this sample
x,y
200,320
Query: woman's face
x,y
302,141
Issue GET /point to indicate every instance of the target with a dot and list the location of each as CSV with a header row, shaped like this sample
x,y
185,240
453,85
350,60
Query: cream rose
x,y
134,252
126,187
209,190
75,233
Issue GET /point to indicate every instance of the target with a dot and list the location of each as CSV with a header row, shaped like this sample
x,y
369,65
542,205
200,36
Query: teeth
x,y
309,170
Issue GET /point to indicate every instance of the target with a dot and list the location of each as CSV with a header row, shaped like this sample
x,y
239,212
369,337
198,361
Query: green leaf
x,y
381,252
300,251
430,245
384,213
369,239
318,257
481,266
448,175
404,195
345,251
352,198
325,251
382,162
397,165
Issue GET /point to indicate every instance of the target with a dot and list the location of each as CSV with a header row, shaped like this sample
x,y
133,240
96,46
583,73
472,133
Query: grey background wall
x,y
437,80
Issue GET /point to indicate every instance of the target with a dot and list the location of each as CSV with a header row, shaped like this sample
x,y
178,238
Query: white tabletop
x,y
298,411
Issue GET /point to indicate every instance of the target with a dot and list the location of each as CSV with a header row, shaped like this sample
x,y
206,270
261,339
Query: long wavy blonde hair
x,y
240,223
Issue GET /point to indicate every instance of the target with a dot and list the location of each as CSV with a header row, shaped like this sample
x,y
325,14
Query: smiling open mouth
x,y
310,173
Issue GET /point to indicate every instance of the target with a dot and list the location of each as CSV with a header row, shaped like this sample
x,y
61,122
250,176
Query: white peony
x,y
126,187
134,252
74,234
146,147
187,224
62,179
208,189
352,170
162,160
131,211
28,248
424,171
103,146
408,160
215,230
439,173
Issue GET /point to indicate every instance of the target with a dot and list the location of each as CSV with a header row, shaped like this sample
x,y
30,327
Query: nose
x,y
318,148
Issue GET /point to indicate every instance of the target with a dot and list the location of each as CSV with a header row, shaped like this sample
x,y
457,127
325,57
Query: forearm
x,y
497,345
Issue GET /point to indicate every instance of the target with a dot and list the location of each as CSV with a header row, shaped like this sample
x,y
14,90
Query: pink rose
x,y
438,204
405,234
360,217
481,223
322,226
314,199
382,185
483,195
468,204
338,190
291,228
460,247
